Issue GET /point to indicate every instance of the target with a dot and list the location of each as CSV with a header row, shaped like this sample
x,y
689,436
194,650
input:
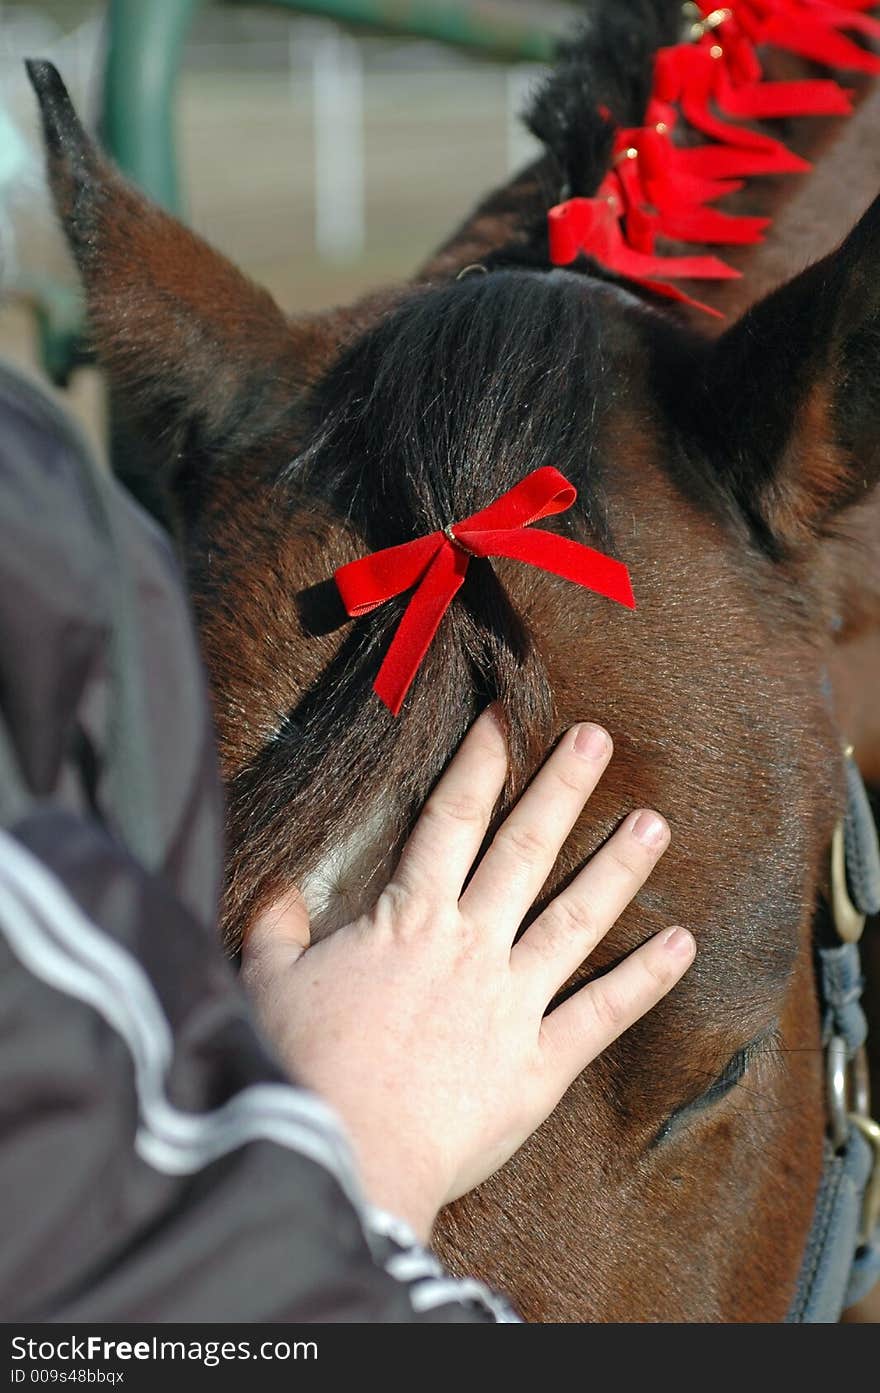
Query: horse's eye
x,y
733,1071
729,1077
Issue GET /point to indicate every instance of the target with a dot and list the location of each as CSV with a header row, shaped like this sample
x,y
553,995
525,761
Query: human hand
x,y
420,1022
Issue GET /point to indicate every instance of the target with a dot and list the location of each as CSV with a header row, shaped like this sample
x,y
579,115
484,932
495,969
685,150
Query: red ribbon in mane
x,y
437,565
714,81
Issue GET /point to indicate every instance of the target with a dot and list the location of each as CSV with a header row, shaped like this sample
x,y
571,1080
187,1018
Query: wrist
x,y
400,1185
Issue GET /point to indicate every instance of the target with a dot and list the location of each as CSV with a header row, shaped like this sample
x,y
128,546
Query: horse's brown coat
x,y
712,691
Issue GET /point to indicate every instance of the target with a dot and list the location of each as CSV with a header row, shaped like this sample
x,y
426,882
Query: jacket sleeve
x,y
155,1161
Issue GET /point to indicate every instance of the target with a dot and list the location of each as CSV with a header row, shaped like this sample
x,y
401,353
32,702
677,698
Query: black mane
x,y
602,80
431,415
453,398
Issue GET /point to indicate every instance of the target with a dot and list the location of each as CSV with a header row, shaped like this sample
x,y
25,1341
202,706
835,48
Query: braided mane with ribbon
x,y
711,83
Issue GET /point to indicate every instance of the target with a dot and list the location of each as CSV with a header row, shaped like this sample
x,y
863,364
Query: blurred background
x,y
324,158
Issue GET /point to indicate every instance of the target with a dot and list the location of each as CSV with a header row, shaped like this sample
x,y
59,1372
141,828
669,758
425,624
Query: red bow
x,y
729,74
663,199
716,81
593,225
437,564
811,28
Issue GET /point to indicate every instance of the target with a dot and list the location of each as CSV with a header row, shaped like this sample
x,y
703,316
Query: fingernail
x,y
592,742
649,829
679,942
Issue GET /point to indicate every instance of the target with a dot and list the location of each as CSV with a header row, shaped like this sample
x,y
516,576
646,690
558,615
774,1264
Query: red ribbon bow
x,y
659,188
593,225
437,564
811,28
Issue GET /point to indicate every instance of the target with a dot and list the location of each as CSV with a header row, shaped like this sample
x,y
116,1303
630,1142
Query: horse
x,y
730,463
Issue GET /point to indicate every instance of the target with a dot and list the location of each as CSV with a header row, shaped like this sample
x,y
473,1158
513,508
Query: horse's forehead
x,y
713,692
710,690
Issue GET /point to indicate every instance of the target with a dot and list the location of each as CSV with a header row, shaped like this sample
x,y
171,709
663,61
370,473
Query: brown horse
x,y
731,471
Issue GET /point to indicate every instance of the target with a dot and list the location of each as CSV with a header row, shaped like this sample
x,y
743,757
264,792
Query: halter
x,y
842,1258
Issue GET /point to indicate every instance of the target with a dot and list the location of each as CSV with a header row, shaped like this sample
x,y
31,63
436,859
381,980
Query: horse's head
x,y
677,1178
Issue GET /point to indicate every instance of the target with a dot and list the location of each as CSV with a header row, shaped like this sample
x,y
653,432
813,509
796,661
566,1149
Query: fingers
x,y
525,848
571,926
445,841
584,1025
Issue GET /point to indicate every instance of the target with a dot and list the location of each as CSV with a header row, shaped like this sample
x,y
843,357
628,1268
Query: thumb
x,y
277,937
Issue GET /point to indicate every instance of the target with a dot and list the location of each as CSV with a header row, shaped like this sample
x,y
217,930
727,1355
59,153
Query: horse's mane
x,y
601,83
433,413
438,410
602,80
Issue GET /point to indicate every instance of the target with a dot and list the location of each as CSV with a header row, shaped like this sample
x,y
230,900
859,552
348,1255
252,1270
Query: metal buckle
x,y
848,1080
871,1202
848,922
848,1089
849,1104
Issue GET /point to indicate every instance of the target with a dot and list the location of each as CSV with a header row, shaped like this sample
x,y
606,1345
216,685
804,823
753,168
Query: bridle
x,y
842,1258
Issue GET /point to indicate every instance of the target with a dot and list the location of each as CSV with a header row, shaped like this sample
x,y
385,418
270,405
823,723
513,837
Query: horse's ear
x,y
197,355
790,395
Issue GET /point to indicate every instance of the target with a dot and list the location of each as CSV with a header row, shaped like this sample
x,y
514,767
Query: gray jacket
x,y
155,1161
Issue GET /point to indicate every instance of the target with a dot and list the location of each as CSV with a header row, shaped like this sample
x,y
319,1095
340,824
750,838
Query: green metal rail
x,y
475,27
145,45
